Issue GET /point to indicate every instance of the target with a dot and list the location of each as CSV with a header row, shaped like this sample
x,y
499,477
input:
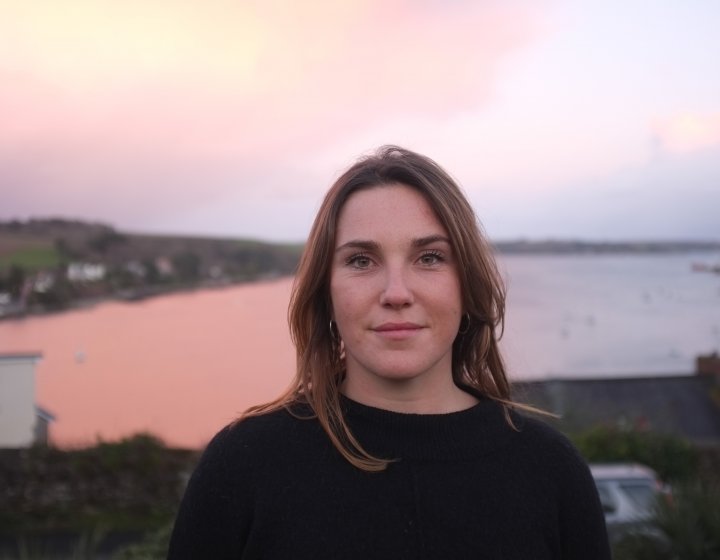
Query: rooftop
x,y
687,406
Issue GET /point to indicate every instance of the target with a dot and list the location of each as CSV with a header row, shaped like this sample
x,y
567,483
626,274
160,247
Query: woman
x,y
398,437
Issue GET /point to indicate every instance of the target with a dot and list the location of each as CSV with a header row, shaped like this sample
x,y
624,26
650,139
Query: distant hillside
x,y
554,246
52,263
24,244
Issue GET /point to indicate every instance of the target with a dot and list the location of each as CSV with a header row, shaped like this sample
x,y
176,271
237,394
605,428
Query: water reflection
x,y
179,366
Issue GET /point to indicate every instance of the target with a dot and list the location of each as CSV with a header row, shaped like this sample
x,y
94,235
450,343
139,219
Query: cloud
x,y
126,110
675,197
686,132
251,76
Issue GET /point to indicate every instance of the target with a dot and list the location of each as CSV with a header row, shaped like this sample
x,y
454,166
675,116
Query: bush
x,y
690,525
672,458
132,484
153,547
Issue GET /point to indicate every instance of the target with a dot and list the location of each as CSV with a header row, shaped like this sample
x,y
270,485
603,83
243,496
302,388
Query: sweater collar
x,y
479,430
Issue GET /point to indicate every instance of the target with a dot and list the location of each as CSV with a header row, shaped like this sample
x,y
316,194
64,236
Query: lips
x,y
397,331
389,327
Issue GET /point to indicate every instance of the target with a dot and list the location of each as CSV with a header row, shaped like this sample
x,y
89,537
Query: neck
x,y
407,397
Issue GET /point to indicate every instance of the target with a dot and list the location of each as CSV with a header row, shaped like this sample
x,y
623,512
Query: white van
x,y
628,493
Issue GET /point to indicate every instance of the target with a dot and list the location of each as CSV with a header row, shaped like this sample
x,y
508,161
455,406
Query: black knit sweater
x,y
465,485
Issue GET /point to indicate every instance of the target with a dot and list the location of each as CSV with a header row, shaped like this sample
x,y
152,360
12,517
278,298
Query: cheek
x,y
339,303
335,298
343,309
348,311
345,294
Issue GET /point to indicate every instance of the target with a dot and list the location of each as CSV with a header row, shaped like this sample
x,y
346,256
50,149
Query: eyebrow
x,y
429,240
358,244
372,245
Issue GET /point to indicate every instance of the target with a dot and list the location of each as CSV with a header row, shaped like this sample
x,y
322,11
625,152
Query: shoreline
x,y
133,296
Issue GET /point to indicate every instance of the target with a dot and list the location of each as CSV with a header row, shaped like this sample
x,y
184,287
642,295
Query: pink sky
x,y
220,117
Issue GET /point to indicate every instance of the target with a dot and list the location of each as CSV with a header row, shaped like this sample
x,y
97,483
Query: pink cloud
x,y
112,109
687,132
251,77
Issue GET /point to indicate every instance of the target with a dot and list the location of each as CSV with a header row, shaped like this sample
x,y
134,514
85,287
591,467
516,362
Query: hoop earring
x,y
461,330
334,334
336,344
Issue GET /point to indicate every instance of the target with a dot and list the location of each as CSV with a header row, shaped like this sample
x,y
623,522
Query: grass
x,y
84,548
98,541
31,258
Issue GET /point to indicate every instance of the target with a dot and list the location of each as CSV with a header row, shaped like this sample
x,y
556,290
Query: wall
x,y
17,400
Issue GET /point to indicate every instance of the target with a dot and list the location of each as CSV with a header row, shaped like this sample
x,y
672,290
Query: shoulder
x,y
558,464
534,431
235,479
251,430
235,460
259,430
254,439
551,450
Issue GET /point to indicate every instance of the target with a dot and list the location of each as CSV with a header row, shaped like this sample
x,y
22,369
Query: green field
x,y
31,258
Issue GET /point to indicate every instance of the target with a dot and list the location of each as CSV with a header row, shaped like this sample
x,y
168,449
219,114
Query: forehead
x,y
384,209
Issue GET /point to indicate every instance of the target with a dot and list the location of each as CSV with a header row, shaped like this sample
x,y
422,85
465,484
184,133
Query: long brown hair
x,y
477,365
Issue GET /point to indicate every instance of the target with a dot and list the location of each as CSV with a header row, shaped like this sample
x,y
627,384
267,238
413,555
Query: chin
x,y
399,375
399,372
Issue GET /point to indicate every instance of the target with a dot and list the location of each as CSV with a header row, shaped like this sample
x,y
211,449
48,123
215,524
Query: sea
x,y
182,365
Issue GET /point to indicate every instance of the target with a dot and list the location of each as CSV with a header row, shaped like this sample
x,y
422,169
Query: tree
x,y
13,280
186,265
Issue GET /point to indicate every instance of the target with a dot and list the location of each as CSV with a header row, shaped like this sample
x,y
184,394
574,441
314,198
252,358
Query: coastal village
x,y
52,264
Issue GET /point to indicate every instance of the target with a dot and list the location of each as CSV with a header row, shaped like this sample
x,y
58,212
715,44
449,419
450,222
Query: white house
x,y
85,272
18,413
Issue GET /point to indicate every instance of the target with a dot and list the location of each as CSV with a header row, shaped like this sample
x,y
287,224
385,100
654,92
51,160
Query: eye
x,y
430,258
359,261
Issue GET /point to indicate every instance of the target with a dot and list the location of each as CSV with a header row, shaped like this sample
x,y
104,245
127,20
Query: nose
x,y
396,291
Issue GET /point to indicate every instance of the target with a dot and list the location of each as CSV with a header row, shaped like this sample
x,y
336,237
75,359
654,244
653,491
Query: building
x,y
85,272
43,418
21,421
686,406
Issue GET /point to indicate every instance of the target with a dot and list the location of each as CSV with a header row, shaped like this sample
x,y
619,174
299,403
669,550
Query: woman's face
x,y
395,291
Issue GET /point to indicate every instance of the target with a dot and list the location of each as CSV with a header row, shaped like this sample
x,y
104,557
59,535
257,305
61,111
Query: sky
x,y
583,119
